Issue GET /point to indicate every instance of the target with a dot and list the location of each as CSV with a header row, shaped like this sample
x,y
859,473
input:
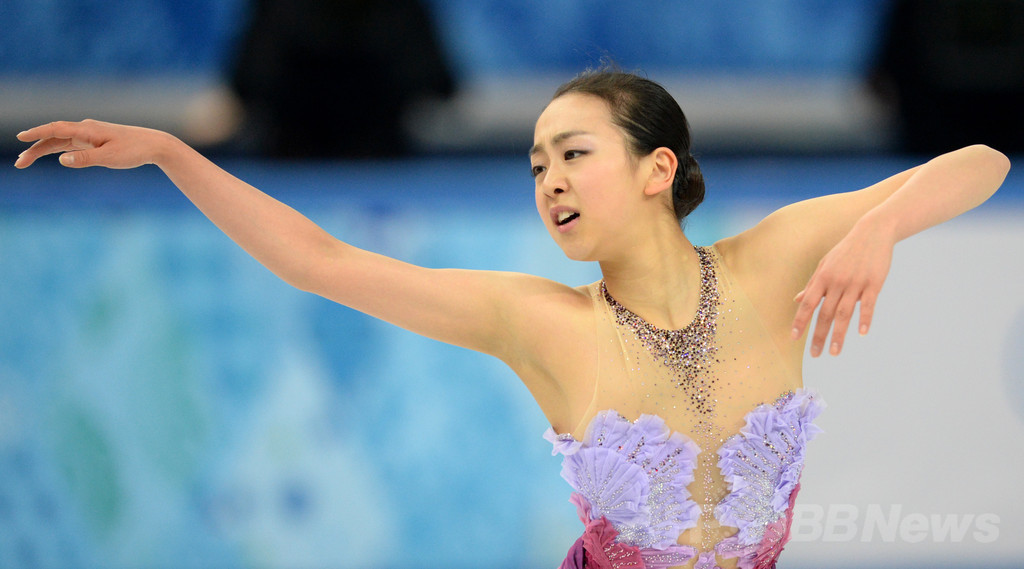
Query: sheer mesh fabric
x,y
705,396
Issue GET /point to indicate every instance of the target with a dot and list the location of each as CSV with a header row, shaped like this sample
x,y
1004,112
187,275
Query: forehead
x,y
574,112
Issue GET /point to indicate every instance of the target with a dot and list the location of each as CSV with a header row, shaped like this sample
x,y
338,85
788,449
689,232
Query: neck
x,y
659,281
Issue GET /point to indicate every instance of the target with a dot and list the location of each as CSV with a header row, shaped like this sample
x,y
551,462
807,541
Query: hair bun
x,y
688,194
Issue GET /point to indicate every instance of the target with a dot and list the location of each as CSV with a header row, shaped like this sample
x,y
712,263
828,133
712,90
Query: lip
x,y
556,211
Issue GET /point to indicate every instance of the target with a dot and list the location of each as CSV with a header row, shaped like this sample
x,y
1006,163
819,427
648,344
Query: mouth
x,y
566,217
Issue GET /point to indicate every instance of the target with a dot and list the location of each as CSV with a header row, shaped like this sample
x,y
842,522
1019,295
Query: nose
x,y
553,191
553,183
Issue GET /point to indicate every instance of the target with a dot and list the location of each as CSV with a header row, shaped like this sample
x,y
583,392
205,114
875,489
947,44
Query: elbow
x,y
986,167
1003,162
316,269
296,278
300,282
991,160
1000,166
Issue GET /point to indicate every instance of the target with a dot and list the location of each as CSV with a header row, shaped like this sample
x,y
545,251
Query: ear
x,y
663,164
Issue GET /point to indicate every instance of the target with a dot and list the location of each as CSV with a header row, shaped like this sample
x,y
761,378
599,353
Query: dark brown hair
x,y
651,119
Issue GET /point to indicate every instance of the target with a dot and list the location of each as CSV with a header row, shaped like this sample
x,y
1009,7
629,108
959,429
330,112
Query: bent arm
x,y
938,191
835,251
854,270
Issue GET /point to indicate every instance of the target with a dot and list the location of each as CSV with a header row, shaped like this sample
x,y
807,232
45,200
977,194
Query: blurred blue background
x,y
782,74
166,402
487,37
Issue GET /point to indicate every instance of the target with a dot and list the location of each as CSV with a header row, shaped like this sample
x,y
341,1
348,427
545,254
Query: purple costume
x,y
694,432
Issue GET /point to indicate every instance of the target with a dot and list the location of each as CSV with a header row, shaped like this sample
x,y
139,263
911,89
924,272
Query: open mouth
x,y
566,217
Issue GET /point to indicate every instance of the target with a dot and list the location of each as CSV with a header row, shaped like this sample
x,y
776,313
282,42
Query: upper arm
x,y
535,325
487,311
781,252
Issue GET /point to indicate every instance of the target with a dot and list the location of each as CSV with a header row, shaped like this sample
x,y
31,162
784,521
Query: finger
x,y
867,310
78,159
28,135
38,150
808,299
49,146
841,322
23,161
45,147
825,315
58,129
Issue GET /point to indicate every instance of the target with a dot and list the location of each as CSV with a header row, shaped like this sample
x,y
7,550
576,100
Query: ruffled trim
x,y
636,475
631,478
762,464
564,443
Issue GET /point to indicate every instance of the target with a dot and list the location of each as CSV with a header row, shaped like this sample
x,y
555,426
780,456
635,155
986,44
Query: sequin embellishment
x,y
689,351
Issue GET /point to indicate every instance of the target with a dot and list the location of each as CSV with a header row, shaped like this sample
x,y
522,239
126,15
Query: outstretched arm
x,y
466,308
278,236
854,269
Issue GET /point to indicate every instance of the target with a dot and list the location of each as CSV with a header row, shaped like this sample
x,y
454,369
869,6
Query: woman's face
x,y
584,176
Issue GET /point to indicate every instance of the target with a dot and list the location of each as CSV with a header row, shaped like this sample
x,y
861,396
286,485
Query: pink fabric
x,y
598,542
603,552
775,537
576,556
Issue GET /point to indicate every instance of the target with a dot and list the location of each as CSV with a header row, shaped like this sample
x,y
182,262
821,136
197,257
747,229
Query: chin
x,y
576,255
570,248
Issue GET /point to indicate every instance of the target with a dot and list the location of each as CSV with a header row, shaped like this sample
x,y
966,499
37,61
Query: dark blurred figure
x,y
333,78
954,71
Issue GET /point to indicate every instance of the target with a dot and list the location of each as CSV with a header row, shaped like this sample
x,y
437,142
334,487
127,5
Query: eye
x,y
536,170
570,154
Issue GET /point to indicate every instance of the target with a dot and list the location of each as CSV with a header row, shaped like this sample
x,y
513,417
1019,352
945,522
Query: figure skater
x,y
673,385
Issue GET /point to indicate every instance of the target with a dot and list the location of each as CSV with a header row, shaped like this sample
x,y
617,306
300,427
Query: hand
x,y
853,271
92,143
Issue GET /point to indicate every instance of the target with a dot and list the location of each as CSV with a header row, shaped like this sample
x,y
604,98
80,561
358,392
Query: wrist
x,y
880,224
166,148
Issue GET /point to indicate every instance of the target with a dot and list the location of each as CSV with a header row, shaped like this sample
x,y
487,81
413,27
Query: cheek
x,y
538,199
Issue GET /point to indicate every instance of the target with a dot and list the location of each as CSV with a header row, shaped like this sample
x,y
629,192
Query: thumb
x,y
75,159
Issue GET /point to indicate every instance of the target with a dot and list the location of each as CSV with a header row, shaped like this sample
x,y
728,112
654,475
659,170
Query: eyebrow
x,y
557,139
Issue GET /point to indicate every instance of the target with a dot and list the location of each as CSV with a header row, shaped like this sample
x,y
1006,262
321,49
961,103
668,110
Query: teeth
x,y
565,215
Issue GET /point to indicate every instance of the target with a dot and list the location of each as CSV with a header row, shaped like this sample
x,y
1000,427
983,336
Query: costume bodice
x,y
693,444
